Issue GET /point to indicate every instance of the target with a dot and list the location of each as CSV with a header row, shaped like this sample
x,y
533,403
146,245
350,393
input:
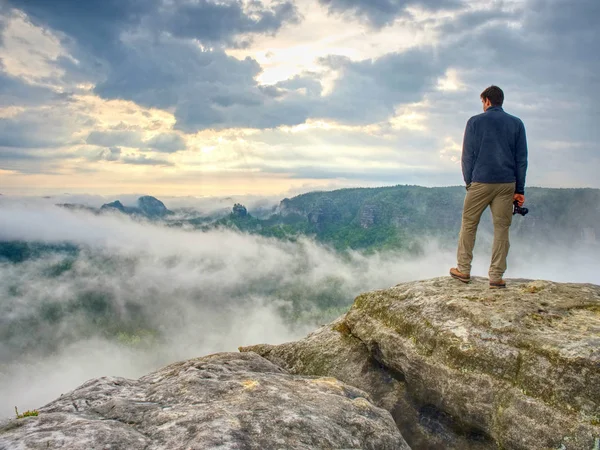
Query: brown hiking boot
x,y
464,277
497,284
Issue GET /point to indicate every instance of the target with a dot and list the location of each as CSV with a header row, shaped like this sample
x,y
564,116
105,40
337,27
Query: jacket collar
x,y
494,108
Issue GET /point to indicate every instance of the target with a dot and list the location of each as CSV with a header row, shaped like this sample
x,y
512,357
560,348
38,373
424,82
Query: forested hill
x,y
374,219
401,216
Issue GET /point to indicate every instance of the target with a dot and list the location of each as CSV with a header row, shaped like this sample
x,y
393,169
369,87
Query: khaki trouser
x,y
499,197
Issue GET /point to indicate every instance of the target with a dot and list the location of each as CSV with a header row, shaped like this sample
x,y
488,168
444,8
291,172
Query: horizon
x,y
262,98
213,203
283,194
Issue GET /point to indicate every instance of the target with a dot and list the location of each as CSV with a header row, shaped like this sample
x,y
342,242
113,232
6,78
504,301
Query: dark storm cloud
x,y
379,13
97,25
166,71
208,89
92,28
208,21
366,92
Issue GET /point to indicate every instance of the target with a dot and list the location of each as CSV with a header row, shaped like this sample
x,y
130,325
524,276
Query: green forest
x,y
400,217
73,291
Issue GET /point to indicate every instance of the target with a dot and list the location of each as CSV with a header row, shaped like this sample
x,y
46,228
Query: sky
x,y
210,98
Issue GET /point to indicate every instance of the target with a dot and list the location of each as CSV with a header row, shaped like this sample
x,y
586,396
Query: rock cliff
x,y
222,401
152,207
147,206
441,364
462,367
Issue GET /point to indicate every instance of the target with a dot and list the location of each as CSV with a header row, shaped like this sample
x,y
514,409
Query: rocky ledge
x,y
465,367
441,364
221,401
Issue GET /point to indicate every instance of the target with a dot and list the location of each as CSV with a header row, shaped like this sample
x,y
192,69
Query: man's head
x,y
492,96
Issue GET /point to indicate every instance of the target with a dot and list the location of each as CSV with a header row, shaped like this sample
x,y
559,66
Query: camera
x,y
518,209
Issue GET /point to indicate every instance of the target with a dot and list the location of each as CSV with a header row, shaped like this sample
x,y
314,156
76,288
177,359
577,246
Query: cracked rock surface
x,y
222,401
465,367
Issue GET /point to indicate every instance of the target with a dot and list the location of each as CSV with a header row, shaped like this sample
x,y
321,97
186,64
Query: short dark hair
x,y
494,94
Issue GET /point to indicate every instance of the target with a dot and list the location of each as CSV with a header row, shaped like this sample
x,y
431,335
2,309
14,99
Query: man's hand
x,y
520,199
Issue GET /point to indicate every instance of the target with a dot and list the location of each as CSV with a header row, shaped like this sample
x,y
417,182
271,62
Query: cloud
x,y
110,154
148,52
143,160
113,138
97,26
207,89
165,294
166,142
42,128
385,175
96,34
205,292
468,21
368,91
379,13
224,93
209,21
537,51
163,142
539,59
16,92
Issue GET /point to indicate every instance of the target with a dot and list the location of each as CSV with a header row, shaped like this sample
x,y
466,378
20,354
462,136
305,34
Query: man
x,y
494,164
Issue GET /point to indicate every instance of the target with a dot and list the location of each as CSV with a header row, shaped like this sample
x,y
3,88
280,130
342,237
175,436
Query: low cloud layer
x,y
203,292
173,294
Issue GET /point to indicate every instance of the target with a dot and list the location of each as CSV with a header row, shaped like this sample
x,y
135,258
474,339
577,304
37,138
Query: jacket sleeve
x,y
468,153
521,160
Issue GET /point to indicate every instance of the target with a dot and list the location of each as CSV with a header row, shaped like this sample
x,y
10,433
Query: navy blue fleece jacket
x,y
495,149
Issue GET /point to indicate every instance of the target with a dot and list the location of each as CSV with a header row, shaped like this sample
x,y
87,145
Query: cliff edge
x,y
432,364
223,401
465,367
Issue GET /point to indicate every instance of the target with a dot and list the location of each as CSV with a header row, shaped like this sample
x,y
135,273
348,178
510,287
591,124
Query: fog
x,y
171,294
202,206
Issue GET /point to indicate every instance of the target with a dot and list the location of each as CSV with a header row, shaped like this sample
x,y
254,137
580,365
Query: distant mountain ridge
x,y
397,216
393,217
147,206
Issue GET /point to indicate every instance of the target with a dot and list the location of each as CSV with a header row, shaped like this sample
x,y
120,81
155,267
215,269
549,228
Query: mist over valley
x,y
86,292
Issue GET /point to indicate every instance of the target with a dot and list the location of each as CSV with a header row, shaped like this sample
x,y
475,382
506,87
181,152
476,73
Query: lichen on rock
x,y
222,401
470,368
